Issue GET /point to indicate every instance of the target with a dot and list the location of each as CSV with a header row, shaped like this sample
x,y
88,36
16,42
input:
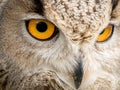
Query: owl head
x,y
59,44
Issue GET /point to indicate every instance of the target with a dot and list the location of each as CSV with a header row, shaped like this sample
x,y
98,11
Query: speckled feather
x,y
71,56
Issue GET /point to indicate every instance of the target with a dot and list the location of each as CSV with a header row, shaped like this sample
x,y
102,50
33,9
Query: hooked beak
x,y
78,75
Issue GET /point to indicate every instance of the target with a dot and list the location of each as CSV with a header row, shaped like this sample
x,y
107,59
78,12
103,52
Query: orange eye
x,y
41,29
106,34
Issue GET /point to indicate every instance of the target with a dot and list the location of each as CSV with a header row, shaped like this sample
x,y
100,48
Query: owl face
x,y
71,44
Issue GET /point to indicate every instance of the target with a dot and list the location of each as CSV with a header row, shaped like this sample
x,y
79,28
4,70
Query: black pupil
x,y
41,26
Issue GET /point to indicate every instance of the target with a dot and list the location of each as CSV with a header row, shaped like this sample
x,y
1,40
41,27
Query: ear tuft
x,y
116,11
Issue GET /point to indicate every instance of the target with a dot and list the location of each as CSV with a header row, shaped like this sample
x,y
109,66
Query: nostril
x,y
78,75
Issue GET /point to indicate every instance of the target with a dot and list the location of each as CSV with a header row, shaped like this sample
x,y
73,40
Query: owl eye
x,y
41,29
106,33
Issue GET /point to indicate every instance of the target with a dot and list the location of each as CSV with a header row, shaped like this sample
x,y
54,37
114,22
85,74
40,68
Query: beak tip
x,y
78,75
77,83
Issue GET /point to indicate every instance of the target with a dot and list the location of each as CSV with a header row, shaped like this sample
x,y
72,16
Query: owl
x,y
59,44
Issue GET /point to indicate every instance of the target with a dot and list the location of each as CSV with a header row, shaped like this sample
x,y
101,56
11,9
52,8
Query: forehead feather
x,y
78,15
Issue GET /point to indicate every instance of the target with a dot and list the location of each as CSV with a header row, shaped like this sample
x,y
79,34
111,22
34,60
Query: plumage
x,y
59,45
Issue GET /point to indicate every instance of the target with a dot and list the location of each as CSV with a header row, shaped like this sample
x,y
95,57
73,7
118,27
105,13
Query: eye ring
x,y
106,33
41,29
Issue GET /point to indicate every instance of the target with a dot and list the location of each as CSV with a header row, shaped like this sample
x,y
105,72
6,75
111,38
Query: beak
x,y
78,75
